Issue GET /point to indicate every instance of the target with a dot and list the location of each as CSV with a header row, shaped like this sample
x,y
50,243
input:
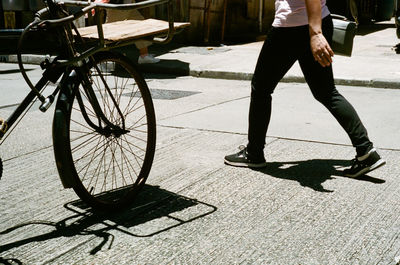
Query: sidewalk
x,y
373,64
196,210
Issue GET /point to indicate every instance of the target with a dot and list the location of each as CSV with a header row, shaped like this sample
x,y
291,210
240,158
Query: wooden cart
x,y
107,36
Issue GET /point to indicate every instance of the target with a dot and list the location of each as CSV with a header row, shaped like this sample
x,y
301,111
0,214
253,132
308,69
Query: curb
x,y
175,68
27,59
378,83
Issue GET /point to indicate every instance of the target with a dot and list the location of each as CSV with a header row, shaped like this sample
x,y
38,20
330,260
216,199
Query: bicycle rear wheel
x,y
107,166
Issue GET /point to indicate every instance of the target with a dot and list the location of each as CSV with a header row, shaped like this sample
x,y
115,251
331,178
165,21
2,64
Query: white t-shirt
x,y
292,13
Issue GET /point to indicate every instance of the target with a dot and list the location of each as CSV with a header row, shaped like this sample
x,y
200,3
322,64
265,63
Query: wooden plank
x,y
130,29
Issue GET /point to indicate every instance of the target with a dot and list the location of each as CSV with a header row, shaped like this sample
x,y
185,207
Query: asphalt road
x,y
196,210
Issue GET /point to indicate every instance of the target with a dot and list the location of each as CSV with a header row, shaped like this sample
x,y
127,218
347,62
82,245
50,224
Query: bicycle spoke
x,y
105,172
130,100
134,154
133,107
79,132
114,178
81,124
93,157
129,163
103,96
137,130
96,173
85,134
87,109
86,142
137,138
83,157
136,122
133,145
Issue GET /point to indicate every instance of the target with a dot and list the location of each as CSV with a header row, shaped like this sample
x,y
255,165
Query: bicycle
x,y
104,127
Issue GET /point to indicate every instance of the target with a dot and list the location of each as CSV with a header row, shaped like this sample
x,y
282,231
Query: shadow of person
x,y
311,173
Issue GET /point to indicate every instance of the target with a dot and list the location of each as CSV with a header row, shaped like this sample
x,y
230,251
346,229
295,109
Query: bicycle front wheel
x,y
108,166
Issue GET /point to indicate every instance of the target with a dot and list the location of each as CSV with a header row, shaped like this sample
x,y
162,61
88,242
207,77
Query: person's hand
x,y
321,50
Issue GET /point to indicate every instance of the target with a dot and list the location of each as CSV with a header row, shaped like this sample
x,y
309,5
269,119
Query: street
x,y
196,210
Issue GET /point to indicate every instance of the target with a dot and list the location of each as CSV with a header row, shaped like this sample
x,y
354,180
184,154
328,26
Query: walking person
x,y
301,31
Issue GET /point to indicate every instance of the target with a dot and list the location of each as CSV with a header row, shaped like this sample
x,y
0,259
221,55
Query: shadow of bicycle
x,y
155,211
10,261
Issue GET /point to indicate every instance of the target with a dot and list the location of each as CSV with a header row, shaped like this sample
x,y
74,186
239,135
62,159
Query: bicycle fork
x,y
110,127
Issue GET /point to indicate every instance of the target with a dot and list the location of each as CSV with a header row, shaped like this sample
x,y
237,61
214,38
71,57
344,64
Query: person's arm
x,y
320,48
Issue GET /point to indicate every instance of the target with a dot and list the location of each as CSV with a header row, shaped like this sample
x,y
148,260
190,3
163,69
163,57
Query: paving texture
x,y
196,210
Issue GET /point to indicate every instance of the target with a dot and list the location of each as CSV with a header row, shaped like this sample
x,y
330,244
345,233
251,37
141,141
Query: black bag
x,y
343,35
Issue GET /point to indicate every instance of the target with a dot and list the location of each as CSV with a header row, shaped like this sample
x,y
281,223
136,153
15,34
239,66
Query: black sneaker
x,y
243,159
364,164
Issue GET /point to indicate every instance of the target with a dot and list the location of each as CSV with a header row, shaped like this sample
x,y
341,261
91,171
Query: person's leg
x,y
276,57
144,56
144,51
321,82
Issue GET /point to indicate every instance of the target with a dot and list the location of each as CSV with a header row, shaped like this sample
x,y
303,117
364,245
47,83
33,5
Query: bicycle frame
x,y
22,107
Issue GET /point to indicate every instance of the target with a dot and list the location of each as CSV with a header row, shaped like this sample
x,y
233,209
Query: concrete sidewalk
x,y
374,63
196,210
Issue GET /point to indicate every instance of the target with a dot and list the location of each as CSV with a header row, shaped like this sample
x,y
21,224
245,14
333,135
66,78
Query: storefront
x,y
219,20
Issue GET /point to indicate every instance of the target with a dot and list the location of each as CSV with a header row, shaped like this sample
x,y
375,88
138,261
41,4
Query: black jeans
x,y
282,48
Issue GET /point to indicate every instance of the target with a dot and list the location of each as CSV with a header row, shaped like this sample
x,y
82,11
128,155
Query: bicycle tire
x,y
106,170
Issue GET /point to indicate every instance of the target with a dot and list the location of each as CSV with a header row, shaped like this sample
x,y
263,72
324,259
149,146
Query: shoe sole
x,y
249,165
378,164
